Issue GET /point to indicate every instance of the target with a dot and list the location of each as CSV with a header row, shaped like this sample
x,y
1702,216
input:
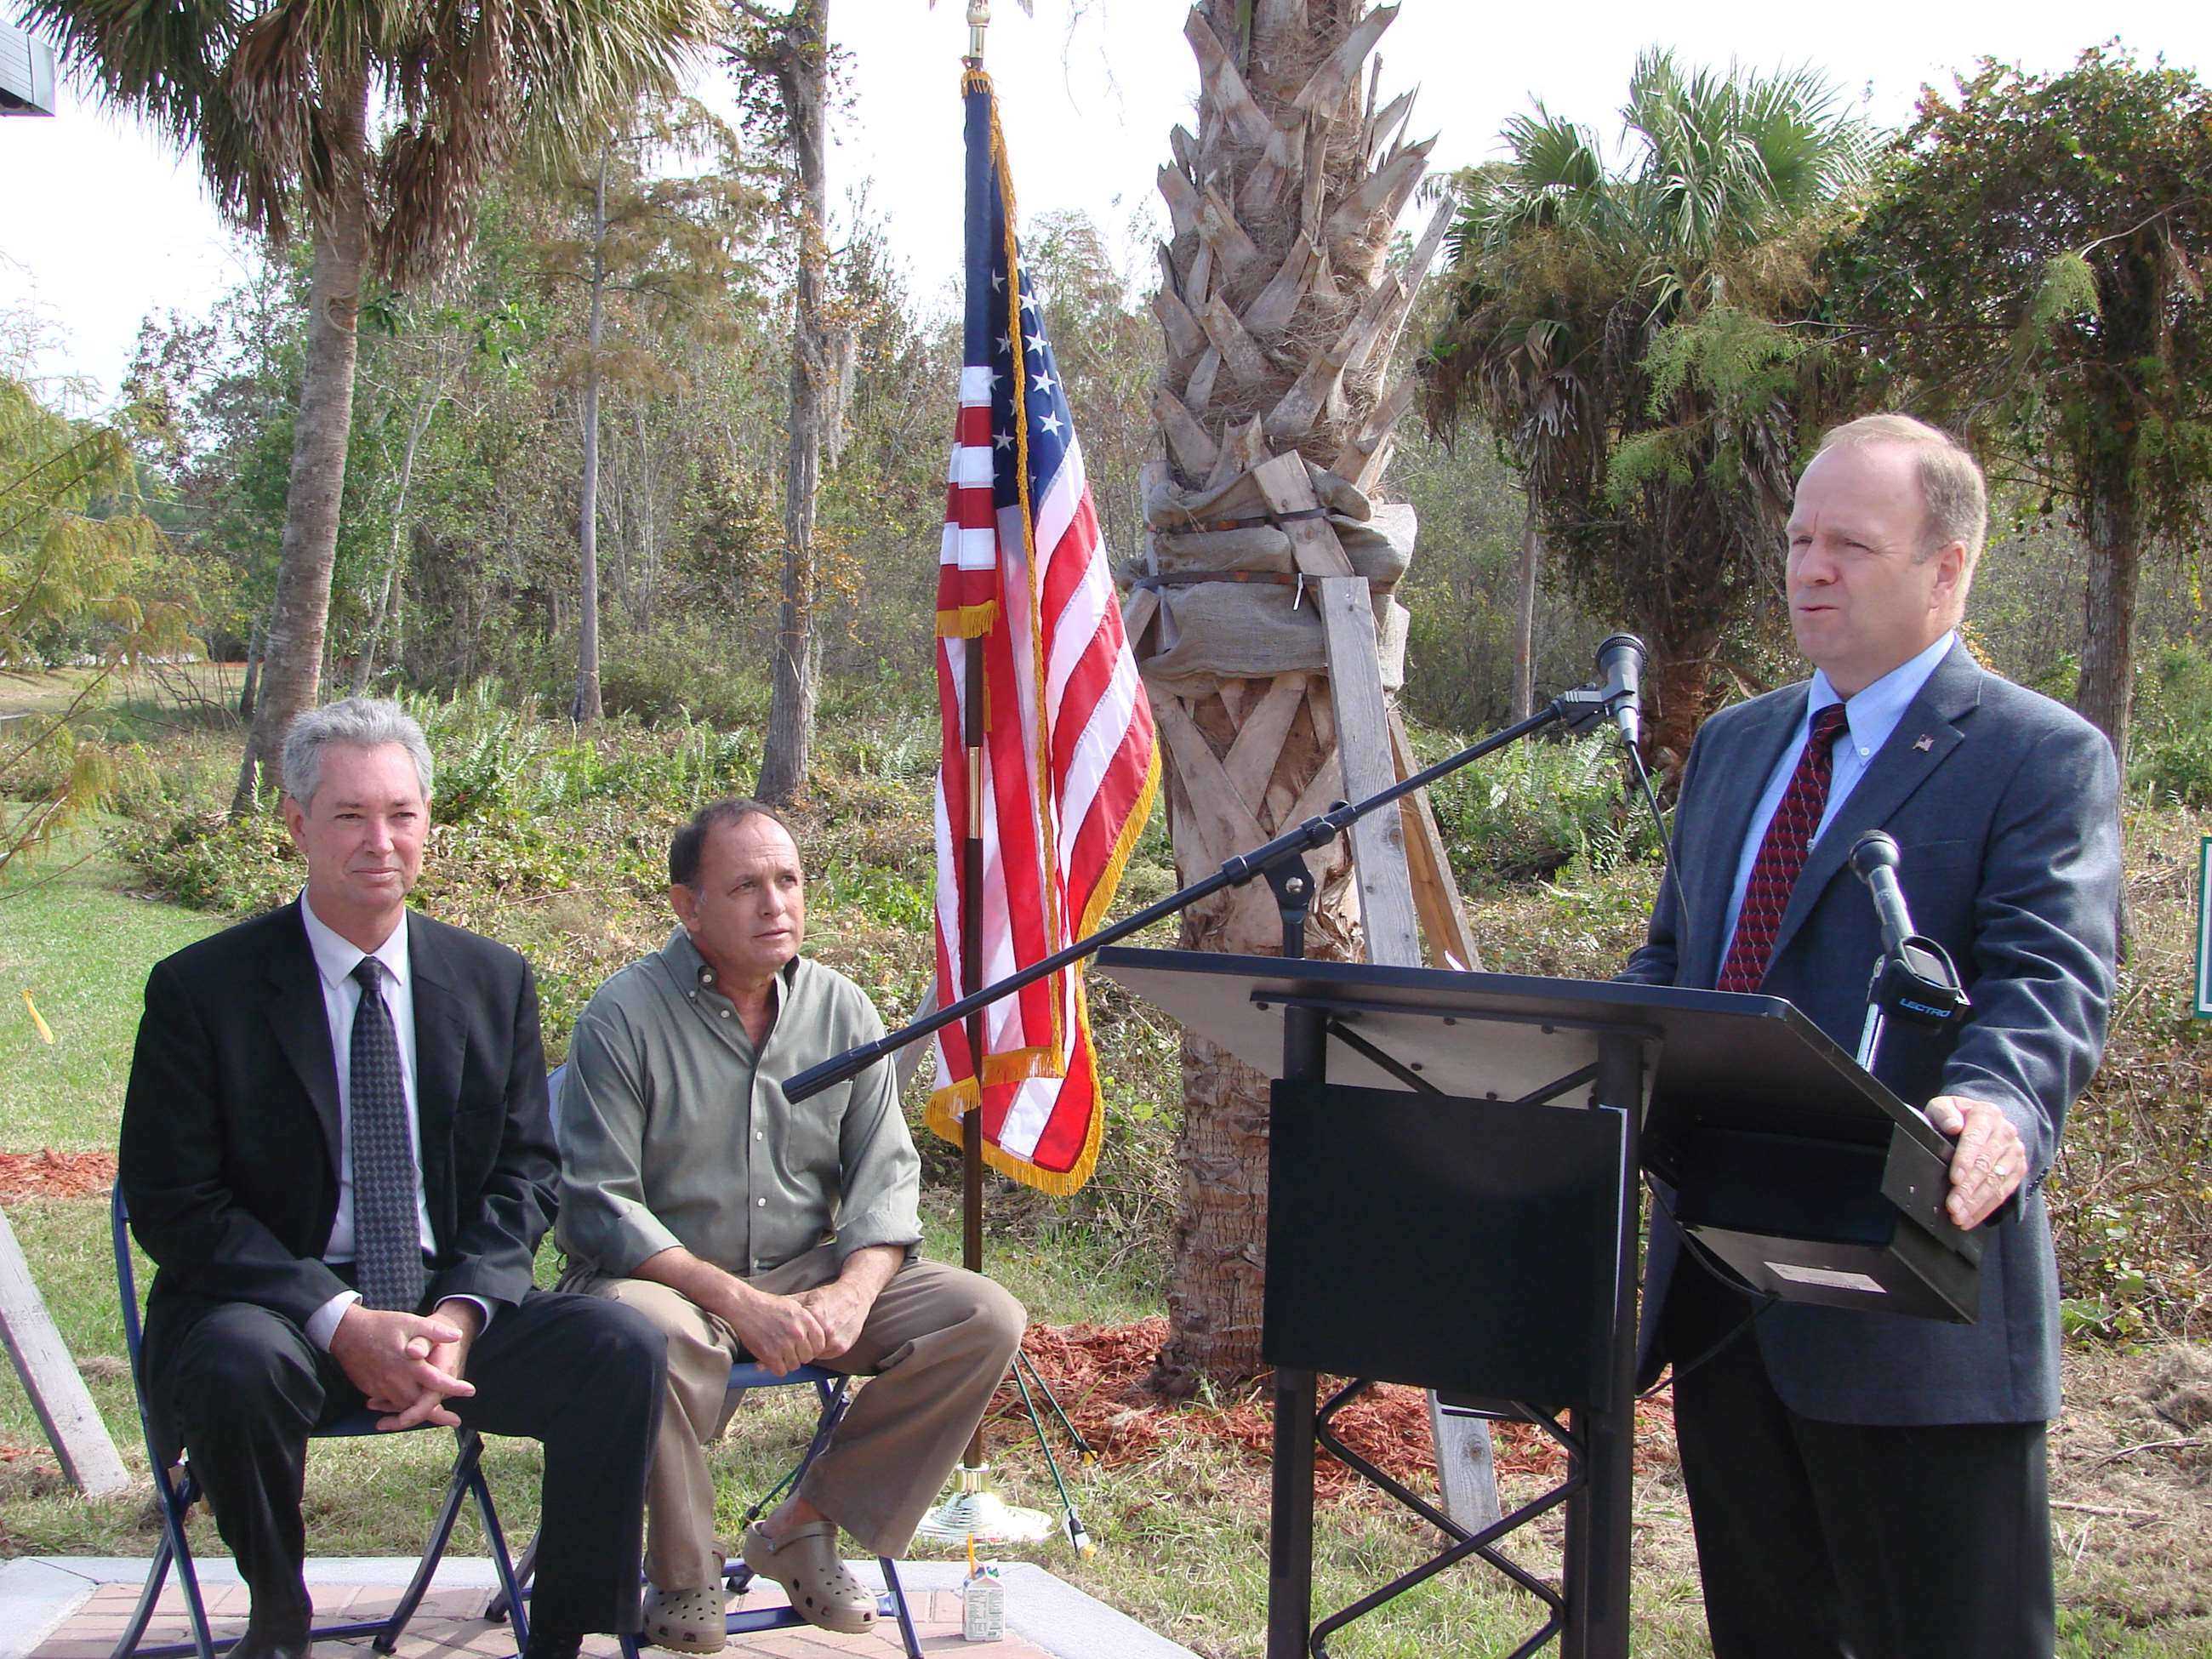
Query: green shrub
x,y
236,868
679,674
1520,815
2172,752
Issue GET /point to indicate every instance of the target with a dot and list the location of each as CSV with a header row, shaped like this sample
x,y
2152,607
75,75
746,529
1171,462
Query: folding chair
x,y
176,1491
832,1391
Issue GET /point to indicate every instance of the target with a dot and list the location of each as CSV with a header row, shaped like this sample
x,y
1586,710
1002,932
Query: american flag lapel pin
x,y
1923,743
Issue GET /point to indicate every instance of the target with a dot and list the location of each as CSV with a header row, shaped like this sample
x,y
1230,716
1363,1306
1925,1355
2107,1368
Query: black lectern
x,y
1452,1203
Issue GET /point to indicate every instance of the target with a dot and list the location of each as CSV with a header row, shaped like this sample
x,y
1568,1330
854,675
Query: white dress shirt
x,y
336,958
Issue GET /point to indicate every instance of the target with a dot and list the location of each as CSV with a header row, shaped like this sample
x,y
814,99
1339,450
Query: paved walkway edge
x,y
37,1593
35,1596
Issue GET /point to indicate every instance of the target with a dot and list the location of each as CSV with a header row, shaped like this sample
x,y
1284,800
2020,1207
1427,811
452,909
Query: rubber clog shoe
x,y
805,1562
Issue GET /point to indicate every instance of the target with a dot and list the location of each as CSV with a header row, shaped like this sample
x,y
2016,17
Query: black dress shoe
x,y
265,1644
547,1644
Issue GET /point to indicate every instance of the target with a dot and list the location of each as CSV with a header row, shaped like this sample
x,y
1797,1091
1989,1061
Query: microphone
x,y
1620,665
1914,978
1874,861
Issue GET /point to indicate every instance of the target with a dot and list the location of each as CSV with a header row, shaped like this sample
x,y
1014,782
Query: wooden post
x,y
65,1410
1363,743
1369,745
1435,894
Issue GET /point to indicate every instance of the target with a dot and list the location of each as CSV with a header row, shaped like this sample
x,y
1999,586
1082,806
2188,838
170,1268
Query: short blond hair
x,y
1951,488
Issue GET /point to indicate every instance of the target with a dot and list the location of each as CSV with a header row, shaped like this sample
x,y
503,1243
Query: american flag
x,y
1067,765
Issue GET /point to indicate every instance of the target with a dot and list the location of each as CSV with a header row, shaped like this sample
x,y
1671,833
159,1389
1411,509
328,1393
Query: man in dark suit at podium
x,y
1866,1484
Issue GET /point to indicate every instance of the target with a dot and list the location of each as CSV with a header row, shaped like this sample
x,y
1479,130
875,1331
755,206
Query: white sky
x,y
101,223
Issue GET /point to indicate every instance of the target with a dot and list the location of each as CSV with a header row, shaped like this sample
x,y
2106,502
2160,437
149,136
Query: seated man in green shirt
x,y
746,1227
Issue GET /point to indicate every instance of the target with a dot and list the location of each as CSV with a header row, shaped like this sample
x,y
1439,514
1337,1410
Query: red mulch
x,y
1100,1373
50,1174
13,1454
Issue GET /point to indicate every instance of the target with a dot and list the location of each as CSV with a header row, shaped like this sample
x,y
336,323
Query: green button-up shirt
x,y
673,1130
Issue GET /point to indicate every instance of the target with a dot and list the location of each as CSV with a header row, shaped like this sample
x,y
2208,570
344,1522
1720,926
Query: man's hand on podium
x,y
1988,1162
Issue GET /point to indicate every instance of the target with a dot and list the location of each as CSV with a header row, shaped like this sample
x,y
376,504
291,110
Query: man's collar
x,y
691,972
337,958
1874,712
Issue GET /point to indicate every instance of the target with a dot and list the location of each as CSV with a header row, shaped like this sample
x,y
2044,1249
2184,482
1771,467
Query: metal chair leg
x,y
157,1574
514,1586
174,1551
898,1603
510,1581
425,1565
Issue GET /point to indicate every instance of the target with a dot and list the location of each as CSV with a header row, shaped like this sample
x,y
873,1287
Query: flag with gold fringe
x,y
1043,791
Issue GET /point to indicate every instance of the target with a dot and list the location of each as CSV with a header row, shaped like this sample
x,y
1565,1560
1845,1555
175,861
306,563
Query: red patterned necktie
x,y
1781,856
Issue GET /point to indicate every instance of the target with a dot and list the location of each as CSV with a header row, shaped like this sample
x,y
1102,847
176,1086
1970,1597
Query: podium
x,y
1452,1203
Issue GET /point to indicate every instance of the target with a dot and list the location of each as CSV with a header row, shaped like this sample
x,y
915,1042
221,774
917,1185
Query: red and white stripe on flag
x,y
1066,772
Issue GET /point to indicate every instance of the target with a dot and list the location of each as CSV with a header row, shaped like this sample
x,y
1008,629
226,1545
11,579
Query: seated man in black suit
x,y
336,1150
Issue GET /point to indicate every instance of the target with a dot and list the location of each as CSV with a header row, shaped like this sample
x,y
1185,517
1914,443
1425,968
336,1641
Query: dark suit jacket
x,y
230,1159
2003,805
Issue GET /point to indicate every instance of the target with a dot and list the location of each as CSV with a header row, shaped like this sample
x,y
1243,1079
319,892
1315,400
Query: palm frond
x,y
281,98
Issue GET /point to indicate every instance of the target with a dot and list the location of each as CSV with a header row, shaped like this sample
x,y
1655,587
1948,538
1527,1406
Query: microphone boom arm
x,y
1577,710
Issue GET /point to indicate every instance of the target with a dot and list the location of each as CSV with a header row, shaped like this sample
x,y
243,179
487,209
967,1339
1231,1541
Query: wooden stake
x,y
73,1424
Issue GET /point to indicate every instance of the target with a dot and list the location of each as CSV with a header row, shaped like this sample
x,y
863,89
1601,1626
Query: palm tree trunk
x,y
802,74
1281,310
292,660
586,706
1681,674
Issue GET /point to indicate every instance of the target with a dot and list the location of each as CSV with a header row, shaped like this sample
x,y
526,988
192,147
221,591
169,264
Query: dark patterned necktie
x,y
387,1239
1782,855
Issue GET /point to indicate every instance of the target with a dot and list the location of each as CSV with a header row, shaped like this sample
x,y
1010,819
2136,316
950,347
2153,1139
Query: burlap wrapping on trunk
x,y
1252,629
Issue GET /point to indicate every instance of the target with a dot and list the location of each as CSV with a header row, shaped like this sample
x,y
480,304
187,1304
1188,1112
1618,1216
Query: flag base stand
x,y
976,1512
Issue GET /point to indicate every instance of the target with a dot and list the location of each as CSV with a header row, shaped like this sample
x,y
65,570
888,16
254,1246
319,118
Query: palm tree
x,y
376,123
1626,337
1281,307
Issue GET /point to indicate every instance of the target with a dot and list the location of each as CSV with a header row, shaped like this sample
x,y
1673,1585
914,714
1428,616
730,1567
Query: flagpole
x,y
974,1510
971,919
971,899
971,975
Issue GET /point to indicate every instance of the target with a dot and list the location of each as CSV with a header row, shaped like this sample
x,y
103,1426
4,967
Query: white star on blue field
x,y
1051,429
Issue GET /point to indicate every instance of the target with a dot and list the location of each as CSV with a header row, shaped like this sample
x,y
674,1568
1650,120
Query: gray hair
x,y
359,722
1951,486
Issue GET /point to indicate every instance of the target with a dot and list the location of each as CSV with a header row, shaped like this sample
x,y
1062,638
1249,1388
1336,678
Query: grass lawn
x,y
1182,1533
81,947
1182,1537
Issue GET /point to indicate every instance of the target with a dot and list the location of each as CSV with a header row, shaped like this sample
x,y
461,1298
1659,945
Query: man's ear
x,y
295,823
1950,577
684,902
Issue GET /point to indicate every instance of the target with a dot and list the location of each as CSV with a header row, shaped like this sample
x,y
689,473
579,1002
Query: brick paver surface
x,y
450,1624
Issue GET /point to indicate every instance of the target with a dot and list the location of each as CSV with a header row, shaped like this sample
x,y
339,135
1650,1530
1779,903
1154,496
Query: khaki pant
x,y
935,1345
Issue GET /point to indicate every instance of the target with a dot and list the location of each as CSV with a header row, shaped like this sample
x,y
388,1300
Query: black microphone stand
x,y
1281,862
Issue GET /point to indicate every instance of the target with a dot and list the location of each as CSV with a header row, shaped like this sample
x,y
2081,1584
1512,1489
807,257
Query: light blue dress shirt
x,y
1869,719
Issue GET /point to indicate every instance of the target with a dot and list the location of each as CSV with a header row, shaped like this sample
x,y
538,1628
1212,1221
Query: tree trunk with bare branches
x,y
586,707
800,64
1281,311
